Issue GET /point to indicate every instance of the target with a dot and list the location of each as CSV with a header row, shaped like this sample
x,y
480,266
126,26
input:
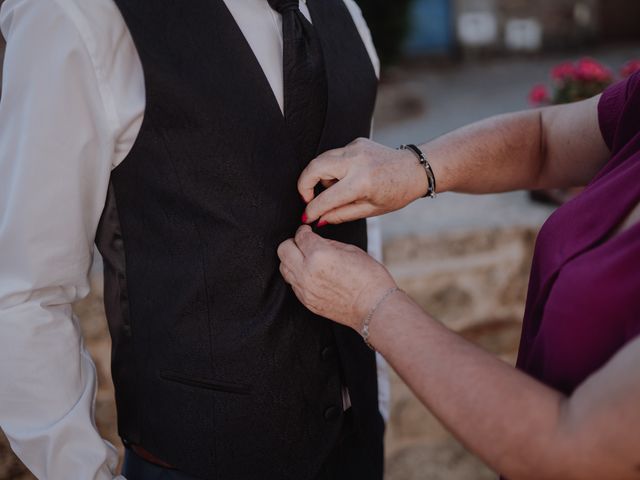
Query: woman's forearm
x,y
497,412
553,147
558,146
519,426
497,154
514,423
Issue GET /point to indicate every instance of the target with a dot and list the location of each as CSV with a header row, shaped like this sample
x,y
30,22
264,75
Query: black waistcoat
x,y
218,369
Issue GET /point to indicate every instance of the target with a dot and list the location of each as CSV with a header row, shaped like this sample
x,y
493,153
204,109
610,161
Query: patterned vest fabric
x,y
219,370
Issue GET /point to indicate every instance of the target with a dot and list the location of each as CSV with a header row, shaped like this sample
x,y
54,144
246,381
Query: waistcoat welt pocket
x,y
207,384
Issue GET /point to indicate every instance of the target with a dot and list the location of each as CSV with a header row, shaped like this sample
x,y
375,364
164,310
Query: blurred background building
x,y
454,28
463,258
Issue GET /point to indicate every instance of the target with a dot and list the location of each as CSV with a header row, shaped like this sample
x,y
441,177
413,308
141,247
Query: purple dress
x,y
583,303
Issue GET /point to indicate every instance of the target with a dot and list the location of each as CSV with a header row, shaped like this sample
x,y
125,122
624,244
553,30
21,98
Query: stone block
x,y
465,278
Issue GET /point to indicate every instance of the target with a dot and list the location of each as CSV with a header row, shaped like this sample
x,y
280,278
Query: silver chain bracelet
x,y
367,320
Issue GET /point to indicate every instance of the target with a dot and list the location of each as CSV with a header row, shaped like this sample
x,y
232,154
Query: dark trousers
x,y
339,466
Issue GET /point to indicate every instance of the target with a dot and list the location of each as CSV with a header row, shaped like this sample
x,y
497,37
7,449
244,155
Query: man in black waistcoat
x,y
220,373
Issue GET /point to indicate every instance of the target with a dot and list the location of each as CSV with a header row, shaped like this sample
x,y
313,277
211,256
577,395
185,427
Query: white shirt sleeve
x,y
56,147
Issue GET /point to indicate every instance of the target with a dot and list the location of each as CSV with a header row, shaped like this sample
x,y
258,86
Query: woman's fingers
x,y
286,273
327,168
348,213
307,241
291,259
338,195
332,279
328,183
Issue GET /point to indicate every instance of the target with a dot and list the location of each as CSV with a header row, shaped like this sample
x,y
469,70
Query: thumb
x,y
307,241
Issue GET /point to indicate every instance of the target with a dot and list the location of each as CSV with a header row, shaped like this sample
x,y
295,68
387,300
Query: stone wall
x,y
475,282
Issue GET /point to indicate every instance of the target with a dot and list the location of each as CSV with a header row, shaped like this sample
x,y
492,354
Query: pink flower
x,y
539,95
564,71
629,68
590,70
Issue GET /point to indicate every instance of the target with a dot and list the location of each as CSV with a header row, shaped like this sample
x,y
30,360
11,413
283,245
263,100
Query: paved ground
x,y
454,96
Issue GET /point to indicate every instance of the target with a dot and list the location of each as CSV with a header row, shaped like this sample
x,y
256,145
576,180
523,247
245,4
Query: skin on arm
x,y
553,147
516,424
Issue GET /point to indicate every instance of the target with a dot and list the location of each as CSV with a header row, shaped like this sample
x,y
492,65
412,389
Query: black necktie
x,y
305,83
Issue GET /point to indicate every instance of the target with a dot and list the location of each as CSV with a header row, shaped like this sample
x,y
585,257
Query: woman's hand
x,y
364,179
332,279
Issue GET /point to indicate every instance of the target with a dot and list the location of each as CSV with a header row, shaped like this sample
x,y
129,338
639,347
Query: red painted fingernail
x,y
304,217
322,223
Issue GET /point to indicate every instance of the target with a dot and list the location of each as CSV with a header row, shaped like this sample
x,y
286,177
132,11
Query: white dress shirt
x,y
72,105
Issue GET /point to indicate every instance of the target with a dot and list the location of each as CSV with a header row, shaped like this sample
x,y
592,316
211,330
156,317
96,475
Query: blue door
x,y
431,28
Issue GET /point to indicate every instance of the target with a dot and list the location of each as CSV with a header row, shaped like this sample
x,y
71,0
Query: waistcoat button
x,y
332,413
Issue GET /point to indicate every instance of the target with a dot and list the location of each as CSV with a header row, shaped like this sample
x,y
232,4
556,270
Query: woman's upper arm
x,y
572,143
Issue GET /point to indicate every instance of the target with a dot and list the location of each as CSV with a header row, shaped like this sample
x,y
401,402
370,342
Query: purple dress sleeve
x,y
618,112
